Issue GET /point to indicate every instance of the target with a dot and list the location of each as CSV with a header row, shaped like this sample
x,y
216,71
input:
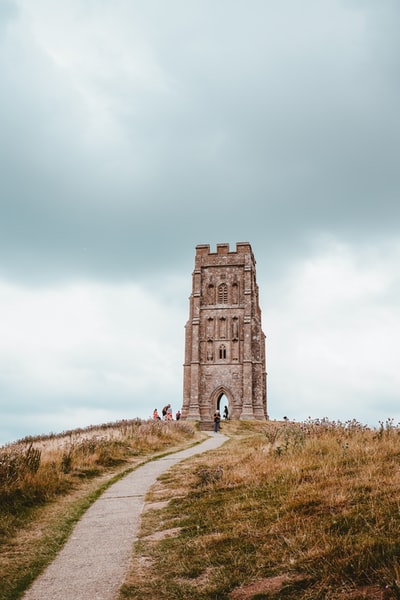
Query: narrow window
x,y
222,352
223,293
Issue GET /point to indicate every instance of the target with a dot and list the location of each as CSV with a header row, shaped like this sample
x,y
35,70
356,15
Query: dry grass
x,y
298,511
46,483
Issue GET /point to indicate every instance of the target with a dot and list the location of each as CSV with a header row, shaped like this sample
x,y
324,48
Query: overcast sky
x,y
133,130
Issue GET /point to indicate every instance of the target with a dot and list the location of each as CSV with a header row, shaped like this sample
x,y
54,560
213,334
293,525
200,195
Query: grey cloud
x,y
273,126
152,127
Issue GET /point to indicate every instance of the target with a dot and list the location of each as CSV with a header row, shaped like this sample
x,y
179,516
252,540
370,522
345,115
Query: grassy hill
x,y
47,482
282,510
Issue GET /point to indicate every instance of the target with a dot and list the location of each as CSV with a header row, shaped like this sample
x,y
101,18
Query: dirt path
x,y
93,563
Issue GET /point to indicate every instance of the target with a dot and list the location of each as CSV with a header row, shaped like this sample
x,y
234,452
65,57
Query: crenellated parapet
x,y
223,250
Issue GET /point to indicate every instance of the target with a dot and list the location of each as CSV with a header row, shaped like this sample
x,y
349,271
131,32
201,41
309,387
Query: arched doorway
x,y
223,406
220,398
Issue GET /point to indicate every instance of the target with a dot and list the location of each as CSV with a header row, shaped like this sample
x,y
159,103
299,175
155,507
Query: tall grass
x,y
35,470
46,482
284,510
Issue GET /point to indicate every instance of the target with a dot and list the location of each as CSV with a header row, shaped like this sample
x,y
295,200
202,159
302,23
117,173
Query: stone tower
x,y
225,344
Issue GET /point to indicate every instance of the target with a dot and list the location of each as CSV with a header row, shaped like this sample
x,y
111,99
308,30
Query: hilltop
x,y
282,510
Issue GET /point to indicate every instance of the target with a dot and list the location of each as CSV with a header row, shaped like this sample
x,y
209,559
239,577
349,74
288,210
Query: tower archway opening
x,y
223,406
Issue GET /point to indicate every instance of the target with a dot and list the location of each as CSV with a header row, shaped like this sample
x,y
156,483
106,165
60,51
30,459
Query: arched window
x,y
222,351
222,293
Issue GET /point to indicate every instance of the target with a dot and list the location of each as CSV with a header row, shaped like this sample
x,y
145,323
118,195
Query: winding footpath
x,y
95,560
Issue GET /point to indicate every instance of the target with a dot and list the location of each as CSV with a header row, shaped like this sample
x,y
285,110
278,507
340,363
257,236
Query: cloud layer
x,y
133,132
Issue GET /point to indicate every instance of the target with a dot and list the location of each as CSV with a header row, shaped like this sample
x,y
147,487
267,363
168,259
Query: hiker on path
x,y
217,418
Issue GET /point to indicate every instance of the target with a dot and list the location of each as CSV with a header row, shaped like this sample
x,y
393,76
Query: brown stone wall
x,y
224,344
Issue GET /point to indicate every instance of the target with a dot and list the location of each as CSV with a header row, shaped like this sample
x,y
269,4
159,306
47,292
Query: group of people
x,y
166,414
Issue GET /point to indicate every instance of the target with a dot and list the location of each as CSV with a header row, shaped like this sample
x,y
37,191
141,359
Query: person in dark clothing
x,y
217,418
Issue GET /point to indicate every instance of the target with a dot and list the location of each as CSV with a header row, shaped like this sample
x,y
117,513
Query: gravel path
x,y
93,563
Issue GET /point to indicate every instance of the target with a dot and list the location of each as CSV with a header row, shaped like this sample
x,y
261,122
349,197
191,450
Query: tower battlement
x,y
241,248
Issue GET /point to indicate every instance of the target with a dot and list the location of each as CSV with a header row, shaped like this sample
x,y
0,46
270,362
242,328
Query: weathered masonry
x,y
224,345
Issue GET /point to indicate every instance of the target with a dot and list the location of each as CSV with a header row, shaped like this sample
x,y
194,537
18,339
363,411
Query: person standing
x,y
217,418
